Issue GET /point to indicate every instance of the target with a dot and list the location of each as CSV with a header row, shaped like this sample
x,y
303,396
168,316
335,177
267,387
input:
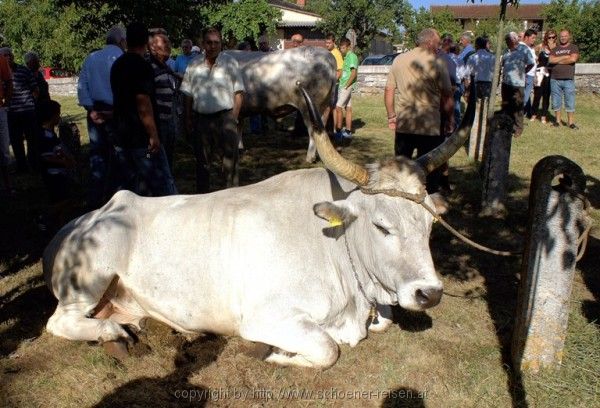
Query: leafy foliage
x,y
63,32
242,20
368,18
582,19
416,21
62,36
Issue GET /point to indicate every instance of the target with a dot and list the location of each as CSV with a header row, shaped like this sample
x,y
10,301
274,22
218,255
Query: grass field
x,y
455,355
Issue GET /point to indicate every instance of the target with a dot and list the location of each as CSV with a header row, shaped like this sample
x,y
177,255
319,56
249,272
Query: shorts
x,y
560,88
344,98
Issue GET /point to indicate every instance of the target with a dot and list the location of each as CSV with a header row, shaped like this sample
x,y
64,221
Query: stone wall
x,y
372,78
63,86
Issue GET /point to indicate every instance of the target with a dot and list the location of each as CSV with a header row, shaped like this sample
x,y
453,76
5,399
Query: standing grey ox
x,y
294,262
270,83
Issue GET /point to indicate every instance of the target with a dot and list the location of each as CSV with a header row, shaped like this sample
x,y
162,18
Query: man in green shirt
x,y
346,84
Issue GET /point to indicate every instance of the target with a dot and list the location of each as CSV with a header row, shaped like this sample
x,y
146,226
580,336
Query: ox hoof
x,y
116,349
259,351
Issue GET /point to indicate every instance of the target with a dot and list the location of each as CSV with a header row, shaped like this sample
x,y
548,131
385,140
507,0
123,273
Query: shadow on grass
x,y
25,316
173,390
590,261
589,269
405,397
456,260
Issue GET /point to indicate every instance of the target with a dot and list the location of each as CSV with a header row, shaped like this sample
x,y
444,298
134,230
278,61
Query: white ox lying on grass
x,y
293,262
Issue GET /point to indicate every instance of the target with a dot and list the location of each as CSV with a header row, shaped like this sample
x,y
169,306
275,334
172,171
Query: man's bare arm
x,y
353,74
238,98
146,114
388,98
564,59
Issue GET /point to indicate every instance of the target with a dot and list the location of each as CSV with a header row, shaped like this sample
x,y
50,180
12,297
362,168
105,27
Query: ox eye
x,y
383,230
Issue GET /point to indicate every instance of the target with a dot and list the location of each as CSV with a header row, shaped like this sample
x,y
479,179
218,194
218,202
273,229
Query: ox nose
x,y
429,297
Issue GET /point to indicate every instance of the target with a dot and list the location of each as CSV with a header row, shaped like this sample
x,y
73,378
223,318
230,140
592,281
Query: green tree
x,y
62,36
242,20
367,18
416,21
582,19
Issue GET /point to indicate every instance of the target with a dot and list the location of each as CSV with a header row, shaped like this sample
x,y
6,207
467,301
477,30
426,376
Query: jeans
x,y
405,145
23,124
527,96
104,180
151,172
560,87
167,132
460,90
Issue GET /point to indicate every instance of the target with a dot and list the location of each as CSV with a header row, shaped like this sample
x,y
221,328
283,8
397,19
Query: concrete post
x,y
556,221
495,165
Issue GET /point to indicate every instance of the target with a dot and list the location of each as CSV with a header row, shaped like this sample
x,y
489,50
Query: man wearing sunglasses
x,y
562,78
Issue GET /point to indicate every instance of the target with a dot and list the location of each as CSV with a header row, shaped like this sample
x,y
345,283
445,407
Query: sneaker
x,y
532,118
346,133
543,120
338,136
573,126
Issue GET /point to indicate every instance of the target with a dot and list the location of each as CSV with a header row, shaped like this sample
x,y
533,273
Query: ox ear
x,y
337,213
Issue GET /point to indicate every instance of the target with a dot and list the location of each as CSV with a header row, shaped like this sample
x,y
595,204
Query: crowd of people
x,y
139,99
431,80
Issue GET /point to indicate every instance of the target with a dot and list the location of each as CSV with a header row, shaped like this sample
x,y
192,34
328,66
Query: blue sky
x,y
426,3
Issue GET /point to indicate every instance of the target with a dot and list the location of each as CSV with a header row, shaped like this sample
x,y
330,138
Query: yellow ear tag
x,y
335,222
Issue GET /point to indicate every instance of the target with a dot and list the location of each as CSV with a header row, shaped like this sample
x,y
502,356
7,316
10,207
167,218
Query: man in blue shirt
x,y
182,60
95,95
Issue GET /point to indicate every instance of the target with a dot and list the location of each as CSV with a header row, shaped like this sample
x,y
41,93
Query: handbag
x,y
539,75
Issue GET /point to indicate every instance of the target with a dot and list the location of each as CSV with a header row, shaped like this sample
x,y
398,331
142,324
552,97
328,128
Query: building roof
x,y
291,6
482,12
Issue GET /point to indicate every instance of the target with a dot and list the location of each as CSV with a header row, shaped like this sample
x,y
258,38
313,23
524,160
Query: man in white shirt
x,y
214,91
529,38
95,95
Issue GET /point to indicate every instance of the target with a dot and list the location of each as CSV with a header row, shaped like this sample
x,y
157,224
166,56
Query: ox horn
x,y
329,156
440,155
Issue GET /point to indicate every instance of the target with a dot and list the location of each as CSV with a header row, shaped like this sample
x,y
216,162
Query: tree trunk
x,y
495,166
495,78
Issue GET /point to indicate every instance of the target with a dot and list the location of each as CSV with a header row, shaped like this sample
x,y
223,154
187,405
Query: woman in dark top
x,y
541,90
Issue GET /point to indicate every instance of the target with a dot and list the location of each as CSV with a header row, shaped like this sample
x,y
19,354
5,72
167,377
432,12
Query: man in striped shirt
x,y
6,89
166,83
21,113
